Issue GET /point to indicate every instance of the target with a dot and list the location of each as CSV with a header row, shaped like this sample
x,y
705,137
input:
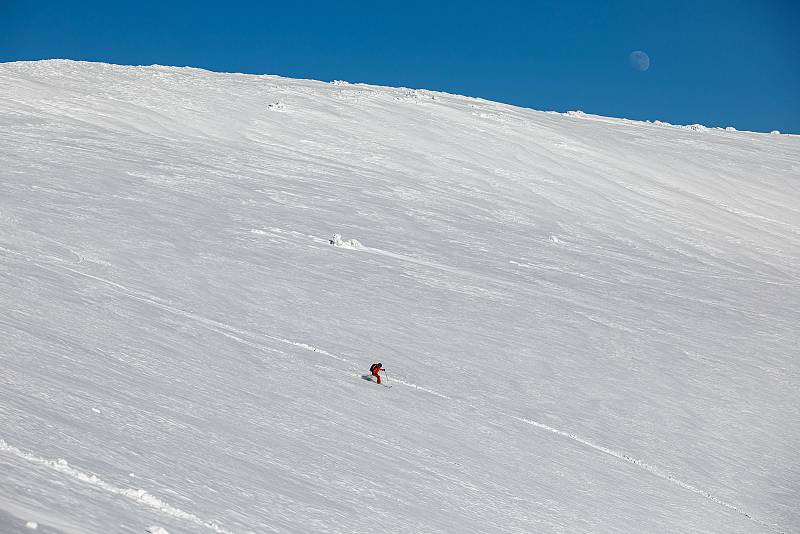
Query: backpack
x,y
373,366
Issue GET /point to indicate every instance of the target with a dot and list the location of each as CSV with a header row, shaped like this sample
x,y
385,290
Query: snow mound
x,y
337,241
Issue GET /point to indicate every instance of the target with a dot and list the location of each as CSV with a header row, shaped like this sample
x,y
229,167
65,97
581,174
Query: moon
x,y
639,60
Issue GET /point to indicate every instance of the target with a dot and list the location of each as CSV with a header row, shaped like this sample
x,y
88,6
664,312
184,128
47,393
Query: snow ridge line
x,y
647,467
137,495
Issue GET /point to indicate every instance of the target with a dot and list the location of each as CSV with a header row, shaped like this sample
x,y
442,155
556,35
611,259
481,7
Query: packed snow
x,y
590,324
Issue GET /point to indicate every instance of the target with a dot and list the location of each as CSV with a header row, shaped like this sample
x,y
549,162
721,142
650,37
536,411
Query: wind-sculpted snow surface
x,y
139,496
589,324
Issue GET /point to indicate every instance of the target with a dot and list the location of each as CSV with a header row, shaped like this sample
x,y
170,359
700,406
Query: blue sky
x,y
719,63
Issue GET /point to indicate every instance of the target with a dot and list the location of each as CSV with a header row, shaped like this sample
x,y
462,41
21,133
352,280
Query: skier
x,y
376,368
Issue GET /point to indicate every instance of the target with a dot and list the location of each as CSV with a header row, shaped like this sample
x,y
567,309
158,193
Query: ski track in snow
x,y
239,335
139,496
650,468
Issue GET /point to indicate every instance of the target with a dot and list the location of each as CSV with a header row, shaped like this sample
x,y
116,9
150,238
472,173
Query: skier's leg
x,y
379,378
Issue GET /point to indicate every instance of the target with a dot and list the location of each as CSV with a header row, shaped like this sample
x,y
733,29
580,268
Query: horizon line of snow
x,y
387,89
137,495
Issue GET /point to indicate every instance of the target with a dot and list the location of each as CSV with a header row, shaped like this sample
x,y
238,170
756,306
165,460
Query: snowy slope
x,y
589,324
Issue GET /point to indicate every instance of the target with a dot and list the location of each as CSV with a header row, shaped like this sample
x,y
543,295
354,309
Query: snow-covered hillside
x,y
590,325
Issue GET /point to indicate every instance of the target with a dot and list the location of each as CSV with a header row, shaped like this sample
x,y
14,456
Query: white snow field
x,y
590,325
